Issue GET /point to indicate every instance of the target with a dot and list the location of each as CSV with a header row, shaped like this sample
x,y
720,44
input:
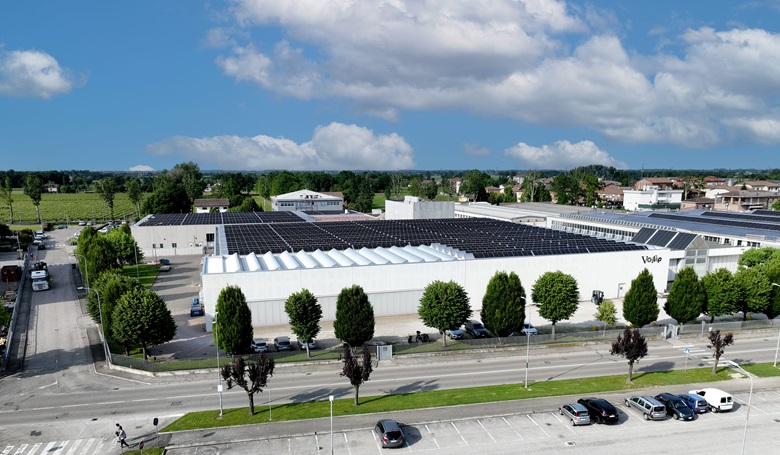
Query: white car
x,y
259,345
717,399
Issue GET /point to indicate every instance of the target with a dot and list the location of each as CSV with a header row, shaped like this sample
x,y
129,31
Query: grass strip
x,y
442,398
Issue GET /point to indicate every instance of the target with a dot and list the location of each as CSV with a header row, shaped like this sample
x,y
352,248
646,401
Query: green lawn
x,y
440,398
146,273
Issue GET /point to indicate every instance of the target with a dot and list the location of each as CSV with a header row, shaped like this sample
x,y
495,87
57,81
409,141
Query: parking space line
x,y
458,431
432,436
346,443
316,442
556,417
745,403
486,430
537,425
513,429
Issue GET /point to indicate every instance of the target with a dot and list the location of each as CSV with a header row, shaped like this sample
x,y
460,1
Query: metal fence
x,y
728,326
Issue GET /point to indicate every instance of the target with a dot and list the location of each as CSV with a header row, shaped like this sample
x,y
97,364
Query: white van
x,y
717,399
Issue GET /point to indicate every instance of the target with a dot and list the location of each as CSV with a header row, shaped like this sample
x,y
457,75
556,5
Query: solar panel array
x,y
773,213
670,239
643,235
681,241
741,216
482,237
217,218
661,238
720,221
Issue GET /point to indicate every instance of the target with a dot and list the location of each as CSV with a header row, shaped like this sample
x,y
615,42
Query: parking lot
x,y
542,431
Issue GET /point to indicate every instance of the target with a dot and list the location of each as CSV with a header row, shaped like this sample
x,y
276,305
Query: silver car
x,y
648,406
389,433
577,413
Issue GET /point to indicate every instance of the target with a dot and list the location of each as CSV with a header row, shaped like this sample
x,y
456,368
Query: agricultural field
x,y
59,208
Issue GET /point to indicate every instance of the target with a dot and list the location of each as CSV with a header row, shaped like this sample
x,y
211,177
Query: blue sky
x,y
389,84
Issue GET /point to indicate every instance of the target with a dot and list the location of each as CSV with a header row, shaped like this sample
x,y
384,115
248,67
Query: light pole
x,y
331,423
100,311
219,372
528,343
750,399
778,337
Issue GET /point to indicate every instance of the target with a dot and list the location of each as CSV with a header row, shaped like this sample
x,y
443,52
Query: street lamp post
x,y
778,336
528,344
219,372
330,398
100,311
750,399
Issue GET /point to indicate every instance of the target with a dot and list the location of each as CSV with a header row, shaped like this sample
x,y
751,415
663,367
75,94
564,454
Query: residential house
x,y
744,200
662,183
762,185
211,205
652,198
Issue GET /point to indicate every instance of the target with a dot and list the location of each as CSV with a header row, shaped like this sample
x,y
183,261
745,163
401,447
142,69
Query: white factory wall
x,y
396,289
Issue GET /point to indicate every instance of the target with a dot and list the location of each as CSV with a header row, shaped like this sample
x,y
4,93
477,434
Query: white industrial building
x,y
415,208
307,201
395,272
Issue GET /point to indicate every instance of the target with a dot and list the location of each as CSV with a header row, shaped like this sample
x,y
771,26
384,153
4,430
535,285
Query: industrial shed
x,y
393,260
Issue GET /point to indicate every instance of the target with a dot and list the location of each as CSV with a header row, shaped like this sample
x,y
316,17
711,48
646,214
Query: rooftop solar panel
x,y
774,213
681,241
643,235
661,238
480,237
716,221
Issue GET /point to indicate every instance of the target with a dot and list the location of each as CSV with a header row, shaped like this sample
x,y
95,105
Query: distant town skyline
x,y
306,85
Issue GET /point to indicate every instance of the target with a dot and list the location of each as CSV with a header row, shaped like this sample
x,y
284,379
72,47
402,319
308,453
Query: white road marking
x,y
486,430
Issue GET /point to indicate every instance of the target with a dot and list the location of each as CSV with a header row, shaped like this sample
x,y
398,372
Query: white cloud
x,y
141,168
562,155
539,61
33,74
475,150
333,147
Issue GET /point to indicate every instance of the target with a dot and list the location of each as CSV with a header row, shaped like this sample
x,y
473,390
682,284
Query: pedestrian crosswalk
x,y
92,446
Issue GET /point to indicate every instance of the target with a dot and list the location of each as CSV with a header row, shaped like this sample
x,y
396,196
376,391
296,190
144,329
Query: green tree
x,y
758,256
723,293
305,313
509,195
6,195
687,298
430,190
33,188
474,185
365,199
444,306
135,194
98,253
503,306
109,286
773,276
142,317
252,377
356,370
754,290
557,295
263,188
354,323
607,313
124,246
189,176
168,196
567,189
632,346
107,189
640,304
718,344
234,321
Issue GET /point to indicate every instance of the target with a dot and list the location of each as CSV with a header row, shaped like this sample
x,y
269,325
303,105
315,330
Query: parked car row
x,y
281,344
684,406
477,330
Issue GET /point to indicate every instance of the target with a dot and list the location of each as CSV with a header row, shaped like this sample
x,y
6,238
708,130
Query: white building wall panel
x,y
395,289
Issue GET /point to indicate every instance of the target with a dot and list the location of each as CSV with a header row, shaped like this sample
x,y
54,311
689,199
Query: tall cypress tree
x,y
640,304
687,298
354,323
234,321
503,306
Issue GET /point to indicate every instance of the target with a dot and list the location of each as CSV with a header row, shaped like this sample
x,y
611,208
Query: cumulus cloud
x,y
141,168
34,74
562,155
537,61
332,147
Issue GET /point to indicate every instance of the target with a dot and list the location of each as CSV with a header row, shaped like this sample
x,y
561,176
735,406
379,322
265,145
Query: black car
x,y
476,329
389,433
676,407
601,410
